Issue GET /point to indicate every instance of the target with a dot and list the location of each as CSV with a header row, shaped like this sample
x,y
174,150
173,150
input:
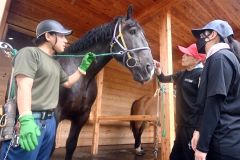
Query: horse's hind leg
x,y
137,129
72,140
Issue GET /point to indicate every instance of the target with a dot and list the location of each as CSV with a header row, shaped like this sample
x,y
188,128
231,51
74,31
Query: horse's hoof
x,y
140,153
155,152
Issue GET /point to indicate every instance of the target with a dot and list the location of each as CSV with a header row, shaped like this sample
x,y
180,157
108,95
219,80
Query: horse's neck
x,y
100,61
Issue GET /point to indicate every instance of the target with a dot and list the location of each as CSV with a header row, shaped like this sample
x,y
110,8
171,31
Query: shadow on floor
x,y
118,152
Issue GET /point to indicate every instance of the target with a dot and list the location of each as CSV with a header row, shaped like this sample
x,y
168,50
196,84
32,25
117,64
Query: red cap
x,y
192,51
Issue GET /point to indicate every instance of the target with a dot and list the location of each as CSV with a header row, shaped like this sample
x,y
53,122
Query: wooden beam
x,y
21,30
4,9
155,9
27,26
165,45
97,113
128,118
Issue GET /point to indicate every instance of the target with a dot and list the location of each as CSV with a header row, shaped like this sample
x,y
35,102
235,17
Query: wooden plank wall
x,y
119,91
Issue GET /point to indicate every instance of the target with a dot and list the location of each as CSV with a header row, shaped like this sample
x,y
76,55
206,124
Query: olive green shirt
x,y
47,75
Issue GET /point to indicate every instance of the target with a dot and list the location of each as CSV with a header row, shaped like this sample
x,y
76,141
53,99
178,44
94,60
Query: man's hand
x,y
86,62
29,132
195,139
158,70
200,155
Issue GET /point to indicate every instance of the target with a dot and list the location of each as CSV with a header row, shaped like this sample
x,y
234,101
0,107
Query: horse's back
x,y
145,105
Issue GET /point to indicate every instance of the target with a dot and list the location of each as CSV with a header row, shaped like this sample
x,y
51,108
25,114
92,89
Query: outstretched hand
x,y
158,70
86,62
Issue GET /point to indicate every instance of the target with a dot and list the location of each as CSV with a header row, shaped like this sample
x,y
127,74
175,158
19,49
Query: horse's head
x,y
134,52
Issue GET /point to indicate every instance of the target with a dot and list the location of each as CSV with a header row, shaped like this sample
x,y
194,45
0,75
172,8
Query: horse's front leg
x,y
75,129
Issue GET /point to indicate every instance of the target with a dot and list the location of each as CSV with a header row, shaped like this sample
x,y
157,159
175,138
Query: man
x,y
38,77
219,94
187,82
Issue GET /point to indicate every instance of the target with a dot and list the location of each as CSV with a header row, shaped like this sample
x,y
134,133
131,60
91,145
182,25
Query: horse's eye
x,y
133,31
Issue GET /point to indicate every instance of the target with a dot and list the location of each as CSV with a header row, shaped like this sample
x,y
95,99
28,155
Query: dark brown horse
x,y
146,105
125,40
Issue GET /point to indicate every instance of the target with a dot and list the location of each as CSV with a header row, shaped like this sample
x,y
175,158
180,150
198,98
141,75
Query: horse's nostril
x,y
148,68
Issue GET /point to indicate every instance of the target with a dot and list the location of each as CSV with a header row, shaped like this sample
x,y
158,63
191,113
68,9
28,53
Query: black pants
x,y
218,156
181,149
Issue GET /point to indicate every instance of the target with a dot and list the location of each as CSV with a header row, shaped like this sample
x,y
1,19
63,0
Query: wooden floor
x,y
118,152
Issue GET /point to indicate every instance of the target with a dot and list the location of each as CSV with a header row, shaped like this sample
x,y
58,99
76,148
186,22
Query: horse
x,y
145,105
125,40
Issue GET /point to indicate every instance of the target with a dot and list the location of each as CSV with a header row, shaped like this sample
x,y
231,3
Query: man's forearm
x,y
72,79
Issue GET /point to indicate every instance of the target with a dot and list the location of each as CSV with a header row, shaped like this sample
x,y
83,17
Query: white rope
x,y
157,93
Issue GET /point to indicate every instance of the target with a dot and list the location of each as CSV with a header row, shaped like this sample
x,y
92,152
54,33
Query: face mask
x,y
201,45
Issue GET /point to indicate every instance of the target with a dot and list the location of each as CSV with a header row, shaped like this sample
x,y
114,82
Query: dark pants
x,y
42,151
219,156
181,149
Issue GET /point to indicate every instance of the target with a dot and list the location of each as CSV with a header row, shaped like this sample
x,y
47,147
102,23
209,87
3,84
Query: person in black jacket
x,y
219,93
187,82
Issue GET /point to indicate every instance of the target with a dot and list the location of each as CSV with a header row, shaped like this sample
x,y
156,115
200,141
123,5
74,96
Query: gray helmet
x,y
51,26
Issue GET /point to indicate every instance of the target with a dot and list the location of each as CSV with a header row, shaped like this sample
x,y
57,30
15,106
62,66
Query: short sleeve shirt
x,y
47,75
221,76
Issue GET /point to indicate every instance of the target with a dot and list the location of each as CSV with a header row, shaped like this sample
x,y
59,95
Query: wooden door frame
x,y
4,9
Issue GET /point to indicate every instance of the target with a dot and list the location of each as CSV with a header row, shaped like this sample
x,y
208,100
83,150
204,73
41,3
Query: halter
x,y
123,46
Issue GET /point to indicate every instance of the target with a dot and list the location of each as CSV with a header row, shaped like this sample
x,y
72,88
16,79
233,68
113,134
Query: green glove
x,y
86,62
29,132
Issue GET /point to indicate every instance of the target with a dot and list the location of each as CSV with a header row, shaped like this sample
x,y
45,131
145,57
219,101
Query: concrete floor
x,y
119,152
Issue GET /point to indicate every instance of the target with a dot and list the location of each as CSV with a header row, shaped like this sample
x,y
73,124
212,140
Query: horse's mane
x,y
102,33
99,34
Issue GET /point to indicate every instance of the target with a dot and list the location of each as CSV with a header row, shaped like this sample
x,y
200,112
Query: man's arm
x,y
161,77
24,98
72,79
82,69
27,123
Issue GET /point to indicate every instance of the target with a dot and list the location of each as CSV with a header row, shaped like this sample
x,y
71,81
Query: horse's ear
x,y
129,11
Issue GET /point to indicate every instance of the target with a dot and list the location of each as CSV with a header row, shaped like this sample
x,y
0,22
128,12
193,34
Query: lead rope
x,y
163,91
157,125
159,92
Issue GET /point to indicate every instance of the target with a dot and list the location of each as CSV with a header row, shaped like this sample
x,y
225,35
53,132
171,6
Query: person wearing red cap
x,y
186,92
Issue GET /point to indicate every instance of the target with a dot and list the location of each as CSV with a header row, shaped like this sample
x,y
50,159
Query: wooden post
x,y
4,7
166,64
97,113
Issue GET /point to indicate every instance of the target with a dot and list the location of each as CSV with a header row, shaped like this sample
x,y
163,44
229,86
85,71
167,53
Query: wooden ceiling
x,y
82,15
